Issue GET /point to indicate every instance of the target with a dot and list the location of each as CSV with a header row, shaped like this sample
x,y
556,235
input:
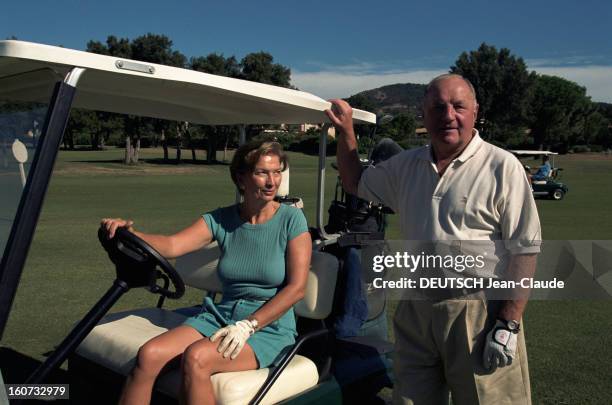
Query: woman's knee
x,y
152,357
199,358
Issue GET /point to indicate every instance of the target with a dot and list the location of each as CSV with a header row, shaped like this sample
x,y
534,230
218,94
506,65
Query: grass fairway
x,y
569,342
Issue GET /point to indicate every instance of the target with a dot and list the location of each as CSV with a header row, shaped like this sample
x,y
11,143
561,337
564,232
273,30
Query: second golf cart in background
x,y
550,187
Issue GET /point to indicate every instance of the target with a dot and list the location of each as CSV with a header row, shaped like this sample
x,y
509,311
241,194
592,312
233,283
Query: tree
x,y
156,49
401,128
560,109
109,124
603,137
216,64
260,67
81,122
503,89
595,129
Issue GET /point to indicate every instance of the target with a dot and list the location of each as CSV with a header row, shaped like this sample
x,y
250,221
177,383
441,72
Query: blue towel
x,y
354,308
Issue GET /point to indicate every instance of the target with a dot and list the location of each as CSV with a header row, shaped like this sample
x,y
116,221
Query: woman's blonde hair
x,y
247,156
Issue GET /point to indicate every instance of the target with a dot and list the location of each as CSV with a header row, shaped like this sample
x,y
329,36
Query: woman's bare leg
x,y
153,356
200,361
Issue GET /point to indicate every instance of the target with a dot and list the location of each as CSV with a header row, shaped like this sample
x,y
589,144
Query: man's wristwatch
x,y
512,325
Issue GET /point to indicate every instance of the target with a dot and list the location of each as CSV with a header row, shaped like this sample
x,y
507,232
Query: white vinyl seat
x,y
115,341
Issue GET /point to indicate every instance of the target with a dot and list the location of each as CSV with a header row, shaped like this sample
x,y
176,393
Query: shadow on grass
x,y
174,162
17,367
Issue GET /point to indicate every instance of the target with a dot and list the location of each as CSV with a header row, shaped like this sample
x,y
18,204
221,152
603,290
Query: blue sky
x,y
336,48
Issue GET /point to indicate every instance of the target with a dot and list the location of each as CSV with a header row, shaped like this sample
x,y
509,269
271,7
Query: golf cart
x,y
549,187
40,83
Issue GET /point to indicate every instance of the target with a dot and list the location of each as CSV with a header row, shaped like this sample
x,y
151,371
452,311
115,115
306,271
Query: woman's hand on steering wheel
x,y
112,224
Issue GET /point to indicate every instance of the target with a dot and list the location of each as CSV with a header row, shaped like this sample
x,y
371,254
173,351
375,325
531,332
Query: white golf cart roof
x,y
140,88
533,152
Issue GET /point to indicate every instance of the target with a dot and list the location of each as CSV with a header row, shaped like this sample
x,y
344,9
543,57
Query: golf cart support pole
x,y
30,205
284,363
241,141
321,182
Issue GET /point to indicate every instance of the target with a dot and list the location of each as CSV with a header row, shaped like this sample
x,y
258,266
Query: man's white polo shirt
x,y
484,194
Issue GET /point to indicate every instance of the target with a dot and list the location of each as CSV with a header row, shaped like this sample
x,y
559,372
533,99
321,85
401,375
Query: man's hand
x,y
349,167
341,116
500,347
234,338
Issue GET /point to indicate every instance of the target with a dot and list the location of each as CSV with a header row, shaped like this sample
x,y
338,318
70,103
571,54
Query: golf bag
x,y
361,224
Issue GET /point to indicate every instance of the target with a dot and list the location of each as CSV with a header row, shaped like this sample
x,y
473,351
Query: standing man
x,y
458,188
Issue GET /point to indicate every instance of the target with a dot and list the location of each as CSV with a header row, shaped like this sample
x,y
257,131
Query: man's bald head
x,y
436,80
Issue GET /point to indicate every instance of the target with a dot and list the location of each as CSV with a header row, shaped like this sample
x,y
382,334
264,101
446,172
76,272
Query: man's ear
x,y
476,111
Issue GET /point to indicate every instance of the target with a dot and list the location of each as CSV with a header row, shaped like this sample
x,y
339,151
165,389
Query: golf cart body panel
x,y
36,76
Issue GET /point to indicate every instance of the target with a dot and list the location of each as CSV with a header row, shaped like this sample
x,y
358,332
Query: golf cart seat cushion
x,y
239,387
115,341
114,344
199,270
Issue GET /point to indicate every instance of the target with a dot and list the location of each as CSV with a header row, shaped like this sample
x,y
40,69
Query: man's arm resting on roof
x,y
347,155
520,266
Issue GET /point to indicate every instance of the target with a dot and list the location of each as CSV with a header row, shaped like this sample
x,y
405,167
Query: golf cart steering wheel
x,y
137,263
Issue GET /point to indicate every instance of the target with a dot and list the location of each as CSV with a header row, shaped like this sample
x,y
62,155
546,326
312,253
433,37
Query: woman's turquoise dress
x,y
252,270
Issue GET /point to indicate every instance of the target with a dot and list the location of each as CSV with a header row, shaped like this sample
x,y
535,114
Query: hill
x,y
391,99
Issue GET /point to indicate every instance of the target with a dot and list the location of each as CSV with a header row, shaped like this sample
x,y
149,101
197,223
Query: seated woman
x,y
265,257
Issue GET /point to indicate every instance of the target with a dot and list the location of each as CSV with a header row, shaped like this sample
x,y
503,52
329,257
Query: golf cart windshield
x,y
24,100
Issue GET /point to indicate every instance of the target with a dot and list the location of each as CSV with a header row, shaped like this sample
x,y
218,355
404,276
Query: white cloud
x,y
344,81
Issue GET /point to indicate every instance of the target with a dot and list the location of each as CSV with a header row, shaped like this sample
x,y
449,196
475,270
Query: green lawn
x,y
569,343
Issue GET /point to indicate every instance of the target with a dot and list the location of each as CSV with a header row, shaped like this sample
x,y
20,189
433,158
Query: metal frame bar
x,y
241,141
272,377
30,205
321,184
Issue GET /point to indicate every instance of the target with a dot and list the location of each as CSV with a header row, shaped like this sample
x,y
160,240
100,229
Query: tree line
x,y
517,108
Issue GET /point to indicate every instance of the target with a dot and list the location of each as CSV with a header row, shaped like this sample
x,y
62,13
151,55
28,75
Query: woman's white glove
x,y
500,347
234,337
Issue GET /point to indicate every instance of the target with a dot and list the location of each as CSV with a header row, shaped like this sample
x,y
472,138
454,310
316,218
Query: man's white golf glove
x,y
234,337
500,346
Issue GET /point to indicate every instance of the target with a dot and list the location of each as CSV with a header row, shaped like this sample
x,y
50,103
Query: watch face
x,y
513,325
